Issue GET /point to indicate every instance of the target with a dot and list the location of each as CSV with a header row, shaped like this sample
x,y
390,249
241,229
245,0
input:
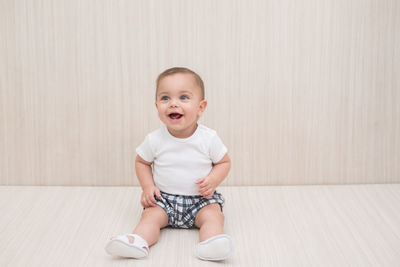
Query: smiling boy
x,y
189,161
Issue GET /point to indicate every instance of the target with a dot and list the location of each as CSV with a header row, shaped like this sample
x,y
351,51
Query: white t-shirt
x,y
179,162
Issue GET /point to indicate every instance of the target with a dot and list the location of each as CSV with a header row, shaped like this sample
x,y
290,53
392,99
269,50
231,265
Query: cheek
x,y
192,110
160,110
161,107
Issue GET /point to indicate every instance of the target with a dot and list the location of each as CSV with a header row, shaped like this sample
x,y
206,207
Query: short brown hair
x,y
174,70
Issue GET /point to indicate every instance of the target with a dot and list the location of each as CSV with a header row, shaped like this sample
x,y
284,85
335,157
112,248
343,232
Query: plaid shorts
x,y
182,210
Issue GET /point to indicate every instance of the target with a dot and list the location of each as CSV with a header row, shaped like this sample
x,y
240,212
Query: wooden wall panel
x,y
301,92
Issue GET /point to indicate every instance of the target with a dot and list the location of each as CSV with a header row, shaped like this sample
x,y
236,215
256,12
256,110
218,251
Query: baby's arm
x,y
145,176
208,184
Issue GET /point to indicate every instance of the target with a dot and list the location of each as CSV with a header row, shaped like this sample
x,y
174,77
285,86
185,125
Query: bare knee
x,y
210,214
156,216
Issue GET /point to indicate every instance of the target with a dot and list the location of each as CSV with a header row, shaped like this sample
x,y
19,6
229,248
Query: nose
x,y
173,103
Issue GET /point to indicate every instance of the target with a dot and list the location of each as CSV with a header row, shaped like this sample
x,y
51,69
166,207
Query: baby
x,y
179,167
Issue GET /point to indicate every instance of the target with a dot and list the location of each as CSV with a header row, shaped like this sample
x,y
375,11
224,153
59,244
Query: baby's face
x,y
179,104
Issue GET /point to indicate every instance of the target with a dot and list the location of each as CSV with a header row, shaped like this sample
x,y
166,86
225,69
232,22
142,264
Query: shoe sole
x,y
119,248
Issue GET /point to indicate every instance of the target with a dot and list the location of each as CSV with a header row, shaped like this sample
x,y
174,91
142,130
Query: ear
x,y
202,107
156,105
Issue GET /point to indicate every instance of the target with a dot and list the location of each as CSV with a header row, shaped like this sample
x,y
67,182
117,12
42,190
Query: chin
x,y
176,127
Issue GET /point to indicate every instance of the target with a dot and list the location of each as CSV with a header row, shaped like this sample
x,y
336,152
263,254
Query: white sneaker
x,y
128,245
216,248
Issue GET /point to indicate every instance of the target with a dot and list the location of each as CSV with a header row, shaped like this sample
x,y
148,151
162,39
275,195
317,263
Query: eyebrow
x,y
181,92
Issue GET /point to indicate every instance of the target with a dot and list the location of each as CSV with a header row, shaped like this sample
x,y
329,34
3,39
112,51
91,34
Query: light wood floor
x,y
351,225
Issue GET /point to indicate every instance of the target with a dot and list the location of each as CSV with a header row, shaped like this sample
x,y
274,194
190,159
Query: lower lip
x,y
175,120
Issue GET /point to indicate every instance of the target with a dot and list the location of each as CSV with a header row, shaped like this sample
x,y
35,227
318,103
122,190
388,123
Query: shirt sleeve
x,y
144,150
217,149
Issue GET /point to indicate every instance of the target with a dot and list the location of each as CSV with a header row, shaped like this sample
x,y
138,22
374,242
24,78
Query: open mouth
x,y
175,116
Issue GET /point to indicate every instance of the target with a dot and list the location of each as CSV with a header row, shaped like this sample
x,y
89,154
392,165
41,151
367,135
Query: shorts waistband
x,y
184,196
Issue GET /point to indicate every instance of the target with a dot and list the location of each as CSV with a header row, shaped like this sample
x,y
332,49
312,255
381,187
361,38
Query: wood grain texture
x,y
301,92
350,225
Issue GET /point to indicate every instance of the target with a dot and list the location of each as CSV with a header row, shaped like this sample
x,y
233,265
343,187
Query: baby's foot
x,y
128,245
216,248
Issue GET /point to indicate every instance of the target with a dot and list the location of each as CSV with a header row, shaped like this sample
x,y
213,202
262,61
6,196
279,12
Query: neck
x,y
184,133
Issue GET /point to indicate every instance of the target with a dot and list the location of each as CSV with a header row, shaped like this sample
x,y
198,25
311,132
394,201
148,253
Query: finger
x,y
199,181
202,192
144,202
150,204
207,194
152,199
158,194
204,185
204,189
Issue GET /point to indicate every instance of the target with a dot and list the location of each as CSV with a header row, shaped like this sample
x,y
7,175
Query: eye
x,y
164,98
184,97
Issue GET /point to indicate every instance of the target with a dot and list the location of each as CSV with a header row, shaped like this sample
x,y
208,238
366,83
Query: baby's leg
x,y
152,220
210,220
214,245
146,233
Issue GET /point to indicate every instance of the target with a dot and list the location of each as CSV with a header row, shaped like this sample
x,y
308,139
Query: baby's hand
x,y
148,199
206,186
